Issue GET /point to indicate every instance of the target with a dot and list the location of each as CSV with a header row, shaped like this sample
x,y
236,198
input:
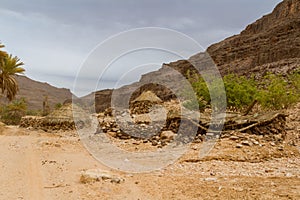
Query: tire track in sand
x,y
35,187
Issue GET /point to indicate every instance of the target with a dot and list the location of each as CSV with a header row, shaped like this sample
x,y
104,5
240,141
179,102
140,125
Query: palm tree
x,y
9,67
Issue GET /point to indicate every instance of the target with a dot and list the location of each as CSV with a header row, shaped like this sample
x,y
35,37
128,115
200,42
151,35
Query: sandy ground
x,y
36,165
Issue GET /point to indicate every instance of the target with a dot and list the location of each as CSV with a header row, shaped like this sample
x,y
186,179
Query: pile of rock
x,y
141,107
43,123
108,125
270,125
60,119
144,132
158,131
32,121
144,103
244,139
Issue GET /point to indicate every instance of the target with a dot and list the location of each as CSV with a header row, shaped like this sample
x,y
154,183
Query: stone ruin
x,y
60,119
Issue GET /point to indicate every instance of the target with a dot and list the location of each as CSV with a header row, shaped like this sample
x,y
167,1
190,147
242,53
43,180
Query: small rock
x,y
57,145
239,146
210,179
255,142
167,135
212,173
116,180
233,137
269,170
115,129
101,115
112,134
288,174
272,144
136,142
154,143
246,143
198,140
239,189
273,184
280,148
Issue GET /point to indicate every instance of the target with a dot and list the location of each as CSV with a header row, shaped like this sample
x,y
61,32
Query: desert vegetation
x,y
13,112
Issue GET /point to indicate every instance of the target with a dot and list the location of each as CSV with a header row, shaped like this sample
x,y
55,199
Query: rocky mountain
x,y
271,44
34,92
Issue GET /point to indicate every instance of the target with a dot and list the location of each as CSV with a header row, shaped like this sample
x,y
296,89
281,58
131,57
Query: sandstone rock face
x,y
272,43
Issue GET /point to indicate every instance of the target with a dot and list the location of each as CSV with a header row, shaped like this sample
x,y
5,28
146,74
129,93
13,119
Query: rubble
x,y
270,125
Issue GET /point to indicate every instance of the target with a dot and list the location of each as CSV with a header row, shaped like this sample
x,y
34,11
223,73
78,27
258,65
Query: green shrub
x,y
276,92
240,91
13,112
272,92
58,106
200,91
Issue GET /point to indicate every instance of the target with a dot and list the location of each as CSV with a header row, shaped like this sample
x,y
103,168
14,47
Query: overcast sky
x,y
54,37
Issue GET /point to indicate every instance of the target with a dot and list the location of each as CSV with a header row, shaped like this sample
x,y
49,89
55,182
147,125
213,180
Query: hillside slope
x,y
34,92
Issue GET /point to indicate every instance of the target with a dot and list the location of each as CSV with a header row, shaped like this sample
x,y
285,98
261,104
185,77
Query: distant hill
x,y
34,92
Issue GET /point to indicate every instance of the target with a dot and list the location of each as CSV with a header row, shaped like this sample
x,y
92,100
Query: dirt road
x,y
41,166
